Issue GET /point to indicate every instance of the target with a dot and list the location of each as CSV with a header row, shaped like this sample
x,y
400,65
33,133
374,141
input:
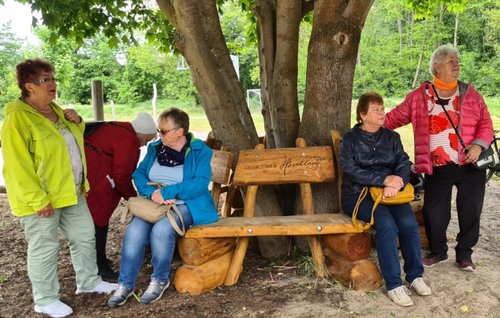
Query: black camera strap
x,y
442,102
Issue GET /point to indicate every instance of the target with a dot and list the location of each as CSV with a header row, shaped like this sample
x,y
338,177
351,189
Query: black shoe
x,y
107,274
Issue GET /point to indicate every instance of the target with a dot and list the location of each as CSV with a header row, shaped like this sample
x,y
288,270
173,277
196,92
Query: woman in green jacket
x,y
45,177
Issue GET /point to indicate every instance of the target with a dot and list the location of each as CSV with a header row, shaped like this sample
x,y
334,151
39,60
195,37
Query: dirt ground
x,y
267,289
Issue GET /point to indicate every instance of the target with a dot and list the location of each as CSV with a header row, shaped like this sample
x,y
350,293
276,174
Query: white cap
x,y
144,124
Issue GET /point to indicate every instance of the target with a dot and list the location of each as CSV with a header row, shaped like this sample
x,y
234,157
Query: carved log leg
x,y
197,251
362,274
237,262
317,255
200,279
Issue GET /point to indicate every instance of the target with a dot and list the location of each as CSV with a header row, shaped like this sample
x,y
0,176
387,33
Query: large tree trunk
x,y
265,12
200,40
333,49
278,28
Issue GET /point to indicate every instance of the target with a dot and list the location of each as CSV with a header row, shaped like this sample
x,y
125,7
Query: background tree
x,y
10,54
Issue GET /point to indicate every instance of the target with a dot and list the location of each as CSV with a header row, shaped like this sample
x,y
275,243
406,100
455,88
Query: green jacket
x,y
37,167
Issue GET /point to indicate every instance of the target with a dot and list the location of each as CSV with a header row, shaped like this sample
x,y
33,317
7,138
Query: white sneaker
x,y
420,287
103,287
56,309
400,295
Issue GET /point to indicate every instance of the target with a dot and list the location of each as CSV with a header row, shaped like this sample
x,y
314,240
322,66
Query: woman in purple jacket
x,y
434,109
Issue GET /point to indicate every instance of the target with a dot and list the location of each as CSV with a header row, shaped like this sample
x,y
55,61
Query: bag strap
x,y
180,230
441,102
361,197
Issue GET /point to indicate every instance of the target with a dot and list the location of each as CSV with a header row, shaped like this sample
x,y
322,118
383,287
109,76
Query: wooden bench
x,y
302,165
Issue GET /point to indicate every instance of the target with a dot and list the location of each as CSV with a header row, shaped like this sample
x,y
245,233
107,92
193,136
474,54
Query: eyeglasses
x,y
164,132
45,80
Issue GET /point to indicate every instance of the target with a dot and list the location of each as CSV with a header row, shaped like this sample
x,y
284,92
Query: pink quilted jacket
x,y
475,125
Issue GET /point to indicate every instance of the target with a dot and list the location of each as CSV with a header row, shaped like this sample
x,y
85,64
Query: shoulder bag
x,y
377,193
151,212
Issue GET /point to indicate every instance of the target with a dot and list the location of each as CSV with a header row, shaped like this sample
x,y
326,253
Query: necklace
x,y
39,110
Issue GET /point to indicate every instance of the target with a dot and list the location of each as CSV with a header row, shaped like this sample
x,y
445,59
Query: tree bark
x,y
455,33
265,12
332,53
400,31
417,70
278,28
200,40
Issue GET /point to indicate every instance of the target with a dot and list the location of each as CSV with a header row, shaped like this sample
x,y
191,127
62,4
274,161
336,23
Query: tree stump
x,y
353,247
197,251
417,205
423,237
200,279
362,274
420,217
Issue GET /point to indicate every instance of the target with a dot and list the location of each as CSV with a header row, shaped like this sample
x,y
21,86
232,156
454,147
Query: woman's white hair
x,y
440,54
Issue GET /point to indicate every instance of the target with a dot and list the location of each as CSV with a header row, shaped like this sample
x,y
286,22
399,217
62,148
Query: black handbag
x,y
486,158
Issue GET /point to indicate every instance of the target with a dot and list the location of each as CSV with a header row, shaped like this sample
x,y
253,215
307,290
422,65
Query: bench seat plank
x,y
275,225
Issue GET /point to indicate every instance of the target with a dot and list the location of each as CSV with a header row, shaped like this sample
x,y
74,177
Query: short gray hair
x,y
179,118
441,53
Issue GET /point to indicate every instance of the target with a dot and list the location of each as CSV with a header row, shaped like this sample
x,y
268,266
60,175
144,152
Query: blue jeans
x,y
162,238
391,222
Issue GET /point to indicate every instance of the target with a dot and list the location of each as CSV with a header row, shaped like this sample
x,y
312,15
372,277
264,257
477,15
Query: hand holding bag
x,y
486,159
151,212
377,193
404,196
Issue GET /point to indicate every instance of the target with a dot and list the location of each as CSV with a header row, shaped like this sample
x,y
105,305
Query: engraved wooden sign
x,y
285,165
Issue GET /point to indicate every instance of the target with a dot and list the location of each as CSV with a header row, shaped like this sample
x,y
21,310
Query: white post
x,y
97,100
113,114
155,94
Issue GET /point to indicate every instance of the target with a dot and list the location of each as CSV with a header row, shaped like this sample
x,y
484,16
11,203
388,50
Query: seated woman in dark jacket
x,y
373,156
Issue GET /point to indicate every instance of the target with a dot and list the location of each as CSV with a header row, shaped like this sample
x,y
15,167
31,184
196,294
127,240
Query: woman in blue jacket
x,y
373,156
182,163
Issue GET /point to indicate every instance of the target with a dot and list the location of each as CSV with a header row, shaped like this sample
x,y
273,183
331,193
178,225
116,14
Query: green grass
x,y
198,119
199,122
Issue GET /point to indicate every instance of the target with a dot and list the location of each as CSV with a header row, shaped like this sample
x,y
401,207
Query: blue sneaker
x,y
154,291
120,296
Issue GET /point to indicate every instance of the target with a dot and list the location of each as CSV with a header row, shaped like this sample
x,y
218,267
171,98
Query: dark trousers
x,y
470,183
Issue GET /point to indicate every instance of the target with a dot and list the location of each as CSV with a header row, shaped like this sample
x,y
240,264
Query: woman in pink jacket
x,y
435,109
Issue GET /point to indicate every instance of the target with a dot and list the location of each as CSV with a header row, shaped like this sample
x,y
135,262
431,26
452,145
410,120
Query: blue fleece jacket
x,y
194,187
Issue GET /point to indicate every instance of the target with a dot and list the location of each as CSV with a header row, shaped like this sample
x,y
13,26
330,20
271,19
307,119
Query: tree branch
x,y
307,6
168,10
